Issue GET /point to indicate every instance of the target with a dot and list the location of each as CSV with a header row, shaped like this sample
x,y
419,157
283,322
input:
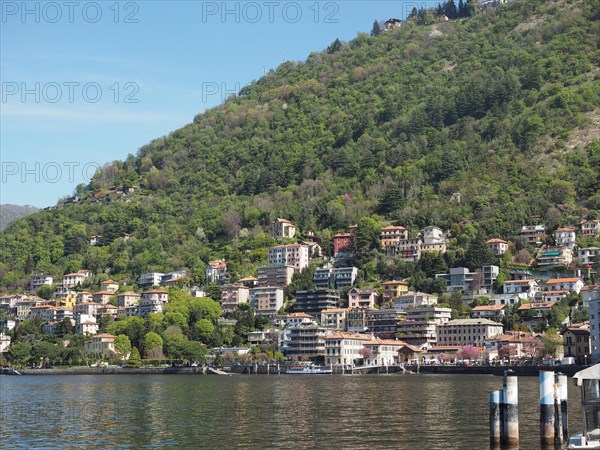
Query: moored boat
x,y
308,369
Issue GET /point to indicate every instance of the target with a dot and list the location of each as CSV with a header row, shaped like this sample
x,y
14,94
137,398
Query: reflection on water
x,y
352,411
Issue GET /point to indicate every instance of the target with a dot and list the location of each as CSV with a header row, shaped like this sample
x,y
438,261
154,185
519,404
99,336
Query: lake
x,y
260,411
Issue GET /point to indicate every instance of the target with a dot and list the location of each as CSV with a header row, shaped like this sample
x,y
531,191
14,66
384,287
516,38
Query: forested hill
x,y
489,119
8,213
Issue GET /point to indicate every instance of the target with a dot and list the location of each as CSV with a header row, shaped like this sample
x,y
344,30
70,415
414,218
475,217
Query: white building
x,y
492,312
74,279
128,299
420,326
38,280
590,228
588,255
362,298
335,318
594,313
150,279
86,324
216,272
232,295
572,284
529,287
391,235
293,255
497,246
414,300
468,331
565,237
344,348
291,319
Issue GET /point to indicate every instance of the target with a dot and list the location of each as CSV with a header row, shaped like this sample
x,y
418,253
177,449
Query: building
x,y
468,331
86,309
565,237
362,297
461,279
216,272
292,319
174,282
168,277
294,255
572,284
534,234
522,344
71,280
357,320
127,299
270,337
391,235
86,324
232,295
554,256
528,287
587,256
385,352
24,306
409,249
152,301
497,246
335,318
576,343
150,279
391,24
338,278
384,321
590,228
535,310
433,235
411,299
38,280
110,286
589,293
249,282
266,301
304,340
102,297
314,249
342,348
492,312
84,297
282,228
316,300
4,342
551,296
594,314
100,346
342,244
393,289
275,275
420,327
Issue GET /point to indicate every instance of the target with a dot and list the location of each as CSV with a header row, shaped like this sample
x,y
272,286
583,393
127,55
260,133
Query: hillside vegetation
x,y
492,119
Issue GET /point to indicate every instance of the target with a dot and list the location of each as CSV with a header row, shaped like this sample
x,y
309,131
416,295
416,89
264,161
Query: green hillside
x,y
502,108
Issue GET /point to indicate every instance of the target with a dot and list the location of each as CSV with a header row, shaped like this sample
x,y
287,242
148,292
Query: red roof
x,y
496,241
563,280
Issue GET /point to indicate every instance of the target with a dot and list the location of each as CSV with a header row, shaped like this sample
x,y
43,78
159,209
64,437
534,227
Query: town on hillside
x,y
541,302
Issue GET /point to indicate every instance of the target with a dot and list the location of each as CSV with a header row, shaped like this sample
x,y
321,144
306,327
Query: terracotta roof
x,y
103,293
561,291
346,335
563,280
527,281
489,308
217,264
565,229
395,282
109,282
76,274
129,293
394,227
280,220
527,306
248,279
301,314
343,235
334,310
496,241
173,280
104,335
155,291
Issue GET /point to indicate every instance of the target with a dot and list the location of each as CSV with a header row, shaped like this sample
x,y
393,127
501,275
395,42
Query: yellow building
x,y
67,301
393,289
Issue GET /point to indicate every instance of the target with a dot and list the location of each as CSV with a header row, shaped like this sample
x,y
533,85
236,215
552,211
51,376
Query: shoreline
x,y
569,370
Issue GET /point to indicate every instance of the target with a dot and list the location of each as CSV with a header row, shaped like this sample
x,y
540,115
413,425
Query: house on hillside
x,y
565,237
497,246
282,228
590,228
391,235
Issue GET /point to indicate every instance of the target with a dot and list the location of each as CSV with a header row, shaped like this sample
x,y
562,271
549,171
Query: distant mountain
x,y
8,213
485,123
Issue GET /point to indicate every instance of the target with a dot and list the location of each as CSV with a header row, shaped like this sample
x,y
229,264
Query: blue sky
x,y
84,83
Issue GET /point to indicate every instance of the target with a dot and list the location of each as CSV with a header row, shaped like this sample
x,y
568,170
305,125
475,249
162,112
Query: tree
x,y
336,46
366,353
46,292
122,346
469,352
135,359
43,352
551,342
19,352
205,329
507,352
376,31
152,343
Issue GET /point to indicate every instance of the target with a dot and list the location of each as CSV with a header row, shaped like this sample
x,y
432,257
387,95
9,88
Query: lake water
x,y
259,411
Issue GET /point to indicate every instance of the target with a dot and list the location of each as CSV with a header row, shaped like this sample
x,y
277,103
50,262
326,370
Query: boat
x,y
589,381
308,369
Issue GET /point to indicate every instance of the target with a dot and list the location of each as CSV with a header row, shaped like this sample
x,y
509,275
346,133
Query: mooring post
x,y
564,403
495,419
546,409
558,432
510,410
268,369
278,369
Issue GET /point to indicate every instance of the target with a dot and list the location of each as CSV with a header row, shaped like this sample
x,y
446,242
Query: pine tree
x,y
462,9
335,46
135,360
451,9
413,13
376,31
